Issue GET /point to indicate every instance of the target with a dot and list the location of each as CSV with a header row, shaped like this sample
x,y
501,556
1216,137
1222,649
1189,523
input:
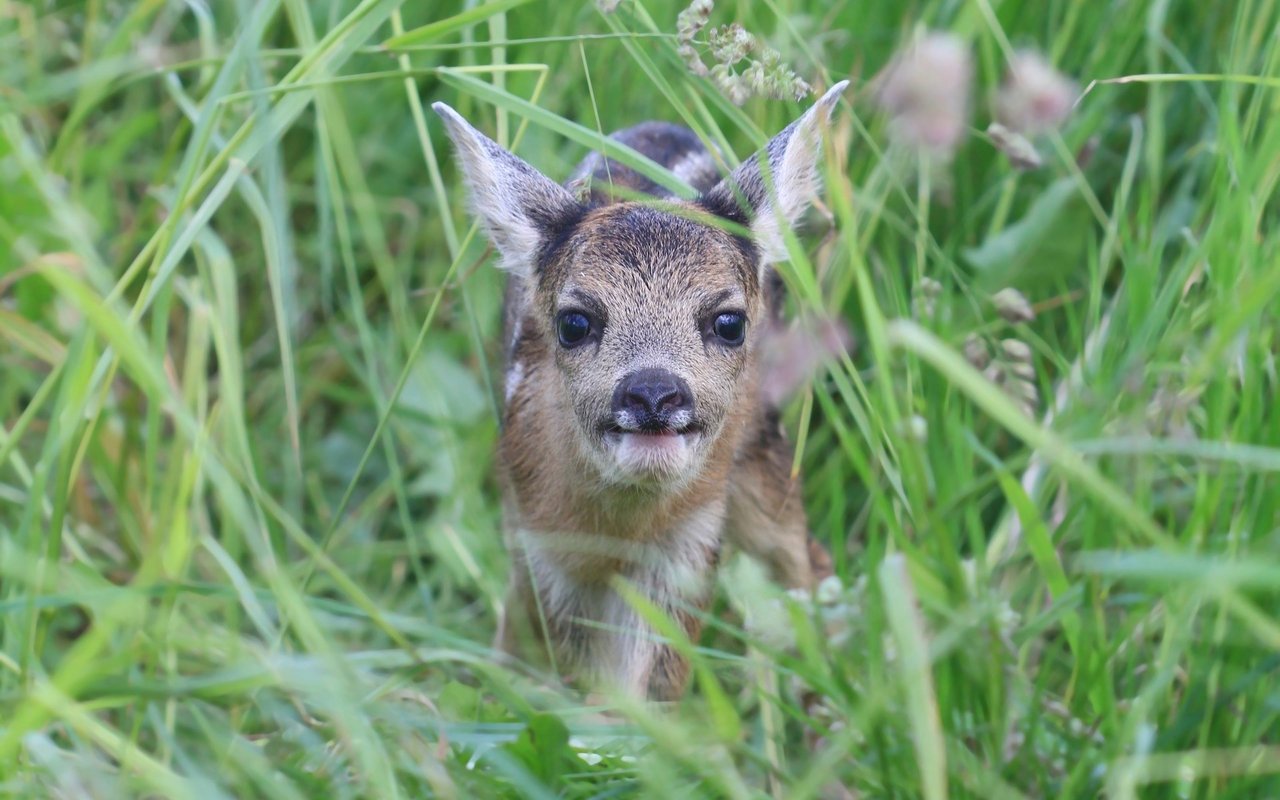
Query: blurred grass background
x,y
249,537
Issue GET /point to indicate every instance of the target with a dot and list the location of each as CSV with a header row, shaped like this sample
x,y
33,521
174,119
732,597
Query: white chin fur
x,y
655,456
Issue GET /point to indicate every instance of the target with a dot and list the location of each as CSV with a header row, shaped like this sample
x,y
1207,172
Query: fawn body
x,y
636,437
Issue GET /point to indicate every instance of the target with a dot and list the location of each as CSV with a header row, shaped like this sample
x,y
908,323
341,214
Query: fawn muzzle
x,y
652,401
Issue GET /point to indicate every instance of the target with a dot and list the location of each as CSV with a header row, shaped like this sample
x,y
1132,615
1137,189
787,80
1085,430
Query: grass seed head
x,y
1022,154
1013,306
764,75
976,351
924,300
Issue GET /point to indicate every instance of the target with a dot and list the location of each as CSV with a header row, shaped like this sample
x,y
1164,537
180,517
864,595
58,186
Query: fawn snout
x,y
652,401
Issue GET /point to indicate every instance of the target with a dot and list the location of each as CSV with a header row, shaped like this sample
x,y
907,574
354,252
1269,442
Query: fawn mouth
x,y
614,431
651,452
655,450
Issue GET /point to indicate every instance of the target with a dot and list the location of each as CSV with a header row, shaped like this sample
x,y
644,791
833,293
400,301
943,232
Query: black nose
x,y
652,395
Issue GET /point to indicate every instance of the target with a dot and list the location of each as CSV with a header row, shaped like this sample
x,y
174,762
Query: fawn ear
x,y
520,208
768,202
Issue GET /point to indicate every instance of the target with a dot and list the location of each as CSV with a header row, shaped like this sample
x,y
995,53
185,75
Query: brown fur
x,y
587,506
674,147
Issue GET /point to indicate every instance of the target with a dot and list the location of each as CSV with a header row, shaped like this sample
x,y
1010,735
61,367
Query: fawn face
x,y
649,319
640,321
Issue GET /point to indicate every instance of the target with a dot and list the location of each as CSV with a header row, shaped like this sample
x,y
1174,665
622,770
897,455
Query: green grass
x,y
249,534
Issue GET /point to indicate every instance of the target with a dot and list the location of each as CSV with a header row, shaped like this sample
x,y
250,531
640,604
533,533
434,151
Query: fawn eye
x,y
730,327
573,328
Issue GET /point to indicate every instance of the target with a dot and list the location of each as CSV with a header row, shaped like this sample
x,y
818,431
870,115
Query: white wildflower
x,y
926,92
829,591
1034,98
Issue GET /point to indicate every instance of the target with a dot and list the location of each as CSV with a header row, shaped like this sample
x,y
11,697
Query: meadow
x,y
250,384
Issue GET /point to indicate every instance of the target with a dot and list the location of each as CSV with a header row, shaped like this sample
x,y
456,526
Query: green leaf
x,y
460,702
441,390
543,748
1036,535
444,27
916,674
1016,248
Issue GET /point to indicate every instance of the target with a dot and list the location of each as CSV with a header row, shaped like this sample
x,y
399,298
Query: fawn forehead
x,y
630,255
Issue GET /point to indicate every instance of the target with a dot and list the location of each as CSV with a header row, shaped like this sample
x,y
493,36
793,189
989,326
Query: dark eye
x,y
573,328
730,327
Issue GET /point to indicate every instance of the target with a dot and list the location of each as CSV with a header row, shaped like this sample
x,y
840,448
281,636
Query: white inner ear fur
x,y
794,178
512,199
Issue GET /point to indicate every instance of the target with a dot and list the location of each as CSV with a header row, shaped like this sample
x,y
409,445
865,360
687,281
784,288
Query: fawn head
x,y
642,319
